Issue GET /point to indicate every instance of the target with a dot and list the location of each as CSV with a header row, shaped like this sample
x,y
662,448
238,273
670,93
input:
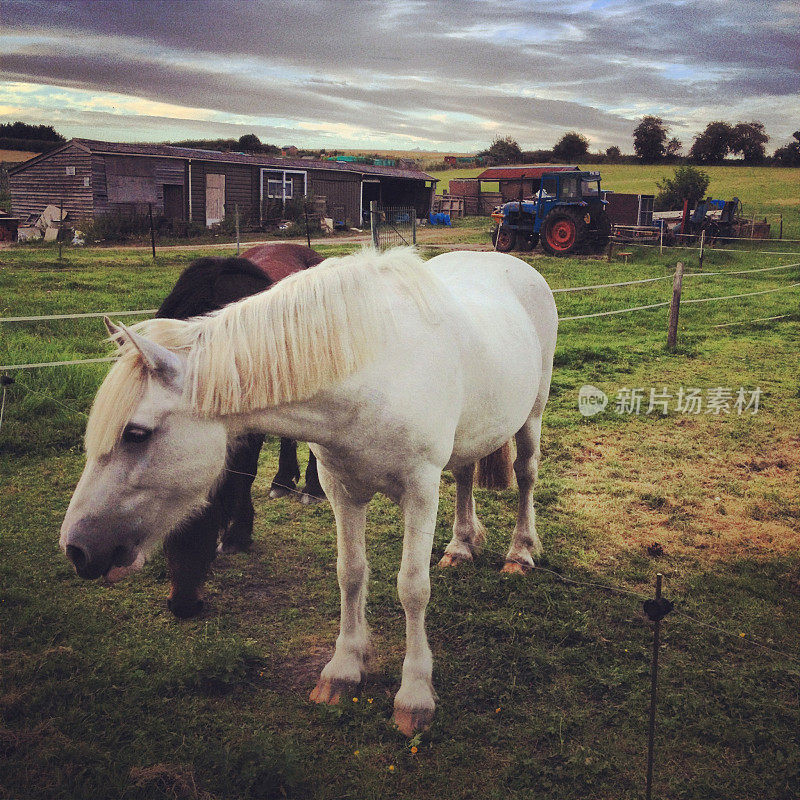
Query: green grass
x,y
764,191
543,684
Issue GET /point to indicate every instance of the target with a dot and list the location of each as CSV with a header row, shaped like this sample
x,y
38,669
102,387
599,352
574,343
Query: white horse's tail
x,y
495,471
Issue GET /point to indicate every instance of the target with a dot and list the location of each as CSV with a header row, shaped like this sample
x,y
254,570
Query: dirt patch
x,y
677,492
300,673
169,780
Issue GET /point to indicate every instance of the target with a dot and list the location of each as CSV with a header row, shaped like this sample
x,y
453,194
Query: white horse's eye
x,y
135,434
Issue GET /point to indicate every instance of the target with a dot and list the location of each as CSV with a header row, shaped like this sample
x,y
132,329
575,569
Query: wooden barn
x,y
183,184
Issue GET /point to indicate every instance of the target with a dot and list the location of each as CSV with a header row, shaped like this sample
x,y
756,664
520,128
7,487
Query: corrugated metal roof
x,y
515,173
169,151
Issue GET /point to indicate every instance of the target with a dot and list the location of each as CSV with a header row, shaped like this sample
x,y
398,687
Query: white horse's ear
x,y
165,364
115,334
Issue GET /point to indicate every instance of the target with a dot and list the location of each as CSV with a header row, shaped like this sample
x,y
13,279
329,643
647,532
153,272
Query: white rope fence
x,y
146,312
593,315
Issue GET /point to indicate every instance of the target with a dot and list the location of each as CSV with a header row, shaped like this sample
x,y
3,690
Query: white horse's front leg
x,y
415,701
347,667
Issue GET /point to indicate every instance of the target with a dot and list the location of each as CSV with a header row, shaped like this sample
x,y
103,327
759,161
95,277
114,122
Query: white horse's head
x,y
151,461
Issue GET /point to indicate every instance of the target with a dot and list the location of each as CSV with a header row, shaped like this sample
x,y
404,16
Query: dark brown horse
x,y
208,284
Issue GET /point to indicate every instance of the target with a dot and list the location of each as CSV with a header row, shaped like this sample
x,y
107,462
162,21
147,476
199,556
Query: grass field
x,y
543,683
765,191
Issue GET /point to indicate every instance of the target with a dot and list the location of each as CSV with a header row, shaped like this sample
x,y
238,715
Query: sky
x,y
430,75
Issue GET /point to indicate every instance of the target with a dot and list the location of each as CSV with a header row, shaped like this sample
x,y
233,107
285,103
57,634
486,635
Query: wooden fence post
x,y
374,223
236,211
674,306
152,232
702,245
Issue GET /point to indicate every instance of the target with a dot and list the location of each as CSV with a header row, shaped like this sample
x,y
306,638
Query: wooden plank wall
x,y
162,171
338,190
239,179
46,183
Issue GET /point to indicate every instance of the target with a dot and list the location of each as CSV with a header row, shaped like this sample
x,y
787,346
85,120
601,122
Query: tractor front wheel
x,y
564,233
504,240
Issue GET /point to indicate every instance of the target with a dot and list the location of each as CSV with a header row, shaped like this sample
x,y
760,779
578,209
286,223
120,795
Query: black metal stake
x,y
308,233
152,232
656,610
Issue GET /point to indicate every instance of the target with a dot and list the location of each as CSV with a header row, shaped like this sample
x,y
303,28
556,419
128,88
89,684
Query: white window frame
x,y
284,195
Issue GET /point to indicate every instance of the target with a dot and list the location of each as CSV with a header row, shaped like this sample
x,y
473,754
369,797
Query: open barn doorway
x,y
370,190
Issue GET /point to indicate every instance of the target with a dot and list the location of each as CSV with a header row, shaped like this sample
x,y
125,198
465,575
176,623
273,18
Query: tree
x,y
504,150
250,143
789,155
713,144
749,138
571,147
21,130
673,148
688,183
649,137
613,154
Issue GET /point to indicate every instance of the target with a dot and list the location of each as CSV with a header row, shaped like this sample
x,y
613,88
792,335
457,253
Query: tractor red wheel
x,y
564,233
561,234
504,240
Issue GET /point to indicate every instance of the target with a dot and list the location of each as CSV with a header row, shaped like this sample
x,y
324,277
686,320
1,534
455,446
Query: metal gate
x,y
392,227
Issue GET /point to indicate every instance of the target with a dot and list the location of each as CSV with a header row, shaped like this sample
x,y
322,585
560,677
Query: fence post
x,y
702,245
661,240
60,228
152,232
374,223
780,232
414,226
236,211
656,610
674,306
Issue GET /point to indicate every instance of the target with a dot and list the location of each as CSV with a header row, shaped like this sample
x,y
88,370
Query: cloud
x,y
443,72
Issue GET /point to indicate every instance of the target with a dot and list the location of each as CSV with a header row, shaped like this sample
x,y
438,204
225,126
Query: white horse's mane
x,y
283,345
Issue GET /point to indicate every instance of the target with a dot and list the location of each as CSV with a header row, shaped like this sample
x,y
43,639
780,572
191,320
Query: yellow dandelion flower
x,y
356,752
413,749
497,710
355,699
742,635
369,699
391,767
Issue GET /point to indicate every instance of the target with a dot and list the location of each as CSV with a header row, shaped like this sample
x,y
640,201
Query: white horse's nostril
x,y
77,556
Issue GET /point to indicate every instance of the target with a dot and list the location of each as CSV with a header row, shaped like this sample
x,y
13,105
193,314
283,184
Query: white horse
x,y
393,367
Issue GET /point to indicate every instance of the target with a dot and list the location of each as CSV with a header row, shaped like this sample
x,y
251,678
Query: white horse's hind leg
x,y
347,667
415,701
525,543
468,532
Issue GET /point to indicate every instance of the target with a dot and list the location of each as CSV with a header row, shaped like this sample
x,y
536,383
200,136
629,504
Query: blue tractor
x,y
567,213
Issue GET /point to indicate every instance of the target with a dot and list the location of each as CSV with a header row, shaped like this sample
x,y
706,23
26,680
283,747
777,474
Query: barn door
x,y
173,201
215,199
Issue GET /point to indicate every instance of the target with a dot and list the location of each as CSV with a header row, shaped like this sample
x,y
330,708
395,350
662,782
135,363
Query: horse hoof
x,y
409,721
451,560
330,692
515,568
278,491
184,609
310,499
